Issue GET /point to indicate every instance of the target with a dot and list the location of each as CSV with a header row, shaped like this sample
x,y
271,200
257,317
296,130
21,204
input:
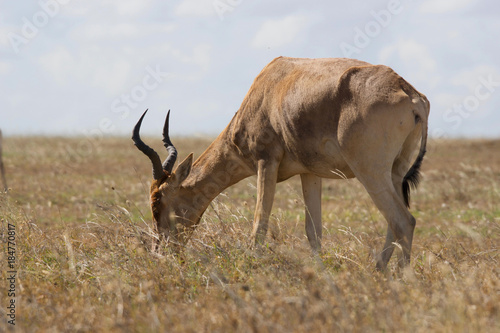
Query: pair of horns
x,y
159,169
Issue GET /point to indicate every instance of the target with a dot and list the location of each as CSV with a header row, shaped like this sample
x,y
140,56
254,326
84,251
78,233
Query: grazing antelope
x,y
321,118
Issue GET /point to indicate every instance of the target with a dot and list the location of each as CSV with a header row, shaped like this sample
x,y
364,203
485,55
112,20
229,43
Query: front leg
x,y
311,188
267,174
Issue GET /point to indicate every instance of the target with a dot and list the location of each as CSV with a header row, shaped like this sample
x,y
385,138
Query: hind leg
x,y
397,181
370,146
385,255
401,223
378,181
399,169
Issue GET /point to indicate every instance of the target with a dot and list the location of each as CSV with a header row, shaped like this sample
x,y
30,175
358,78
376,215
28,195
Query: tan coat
x,y
320,118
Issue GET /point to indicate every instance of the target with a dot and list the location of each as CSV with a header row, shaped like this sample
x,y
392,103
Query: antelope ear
x,y
183,169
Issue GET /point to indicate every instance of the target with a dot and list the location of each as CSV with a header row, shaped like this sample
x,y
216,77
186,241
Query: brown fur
x,y
155,198
322,118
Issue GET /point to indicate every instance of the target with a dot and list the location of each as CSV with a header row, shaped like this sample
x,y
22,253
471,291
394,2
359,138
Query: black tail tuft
x,y
412,178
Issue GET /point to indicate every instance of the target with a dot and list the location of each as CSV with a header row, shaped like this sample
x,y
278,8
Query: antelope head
x,y
164,192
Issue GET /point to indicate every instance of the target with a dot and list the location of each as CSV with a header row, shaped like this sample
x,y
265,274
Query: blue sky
x,y
91,67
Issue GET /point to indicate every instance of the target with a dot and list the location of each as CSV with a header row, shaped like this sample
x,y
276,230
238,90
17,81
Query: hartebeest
x,y
318,118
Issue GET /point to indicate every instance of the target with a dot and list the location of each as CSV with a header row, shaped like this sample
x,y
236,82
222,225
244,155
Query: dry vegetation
x,y
83,237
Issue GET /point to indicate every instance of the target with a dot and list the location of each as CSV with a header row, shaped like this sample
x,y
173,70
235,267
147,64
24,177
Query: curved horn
x,y
172,152
148,151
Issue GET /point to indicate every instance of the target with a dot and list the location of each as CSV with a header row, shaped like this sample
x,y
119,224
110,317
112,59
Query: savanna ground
x,y
83,260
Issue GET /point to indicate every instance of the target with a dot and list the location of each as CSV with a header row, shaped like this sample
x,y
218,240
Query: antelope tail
x,y
412,177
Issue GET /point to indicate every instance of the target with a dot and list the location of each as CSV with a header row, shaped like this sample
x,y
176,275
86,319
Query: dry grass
x,y
82,240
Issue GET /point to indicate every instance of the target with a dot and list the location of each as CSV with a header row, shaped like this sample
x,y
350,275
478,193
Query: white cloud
x,y
279,32
4,40
86,9
129,7
444,100
197,8
200,56
5,67
58,63
451,105
415,56
112,77
469,77
411,51
90,68
78,9
106,32
443,6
